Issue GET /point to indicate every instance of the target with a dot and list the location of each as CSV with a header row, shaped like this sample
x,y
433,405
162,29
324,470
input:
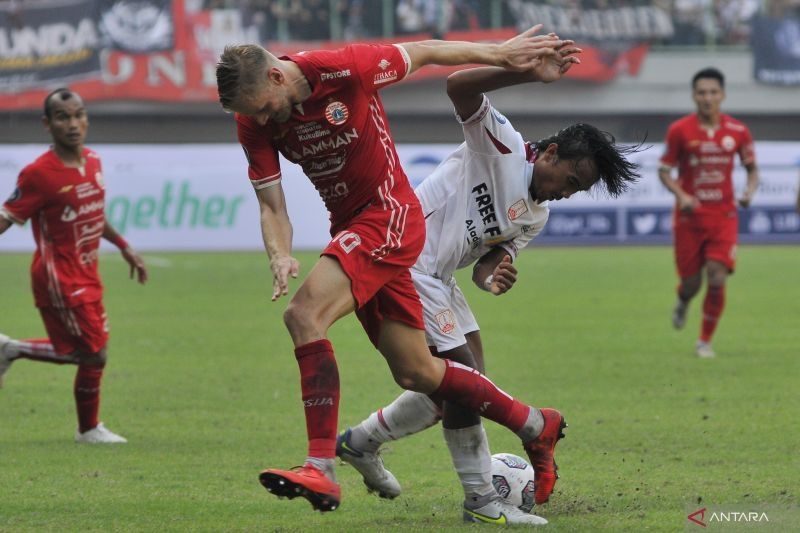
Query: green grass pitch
x,y
203,383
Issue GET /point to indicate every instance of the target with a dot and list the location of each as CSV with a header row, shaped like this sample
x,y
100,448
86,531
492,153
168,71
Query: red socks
x,y
87,396
319,382
712,310
471,389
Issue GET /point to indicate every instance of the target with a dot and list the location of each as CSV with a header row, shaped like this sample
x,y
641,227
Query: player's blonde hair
x,y
240,71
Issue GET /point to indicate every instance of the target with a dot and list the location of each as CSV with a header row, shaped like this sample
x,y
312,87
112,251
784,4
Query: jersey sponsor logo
x,y
485,206
336,113
332,192
85,190
323,165
708,195
314,135
518,209
334,75
69,214
16,194
89,230
500,118
385,77
348,241
446,321
343,139
87,258
383,64
728,143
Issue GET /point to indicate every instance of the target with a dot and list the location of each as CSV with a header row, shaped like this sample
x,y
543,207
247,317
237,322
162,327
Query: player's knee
x,y
414,379
97,359
299,320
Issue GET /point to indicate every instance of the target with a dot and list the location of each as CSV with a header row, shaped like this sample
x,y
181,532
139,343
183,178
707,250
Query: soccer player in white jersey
x,y
483,204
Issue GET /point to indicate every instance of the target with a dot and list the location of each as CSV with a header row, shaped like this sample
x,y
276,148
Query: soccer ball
x,y
512,477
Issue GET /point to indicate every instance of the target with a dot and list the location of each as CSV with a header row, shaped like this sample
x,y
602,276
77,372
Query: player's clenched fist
x,y
282,268
503,277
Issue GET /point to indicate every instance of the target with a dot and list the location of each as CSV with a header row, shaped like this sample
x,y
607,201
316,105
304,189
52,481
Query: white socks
x,y
469,449
409,413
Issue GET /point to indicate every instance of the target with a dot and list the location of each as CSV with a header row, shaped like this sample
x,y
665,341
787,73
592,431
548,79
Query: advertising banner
x,y
157,50
198,197
47,42
776,50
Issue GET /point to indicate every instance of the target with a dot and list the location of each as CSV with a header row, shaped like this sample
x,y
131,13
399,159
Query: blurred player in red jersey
x,y
321,110
62,193
703,146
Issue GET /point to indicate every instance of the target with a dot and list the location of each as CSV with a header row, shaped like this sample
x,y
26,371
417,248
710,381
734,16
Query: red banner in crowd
x,y
174,59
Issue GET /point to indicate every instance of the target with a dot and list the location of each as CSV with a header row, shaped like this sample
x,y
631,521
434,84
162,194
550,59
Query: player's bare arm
x,y
520,53
276,230
133,259
4,224
686,202
495,272
466,87
753,180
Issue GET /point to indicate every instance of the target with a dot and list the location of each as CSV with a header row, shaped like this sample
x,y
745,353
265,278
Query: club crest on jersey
x,y
98,177
336,113
518,209
728,143
446,321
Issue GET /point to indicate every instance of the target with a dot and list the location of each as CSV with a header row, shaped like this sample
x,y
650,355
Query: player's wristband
x,y
119,242
487,284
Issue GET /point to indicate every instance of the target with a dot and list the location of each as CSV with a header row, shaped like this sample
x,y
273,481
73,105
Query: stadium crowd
x,y
694,22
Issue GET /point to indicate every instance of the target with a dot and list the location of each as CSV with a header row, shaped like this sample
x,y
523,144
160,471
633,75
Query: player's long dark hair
x,y
580,141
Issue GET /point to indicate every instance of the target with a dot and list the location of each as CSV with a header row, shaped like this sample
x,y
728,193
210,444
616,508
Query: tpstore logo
x,y
705,517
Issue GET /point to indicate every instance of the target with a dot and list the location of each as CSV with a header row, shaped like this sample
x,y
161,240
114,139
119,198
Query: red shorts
x,y
700,239
83,327
375,250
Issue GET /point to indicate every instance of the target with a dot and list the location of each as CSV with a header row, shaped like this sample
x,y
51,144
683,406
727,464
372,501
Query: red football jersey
x,y
66,209
705,158
340,134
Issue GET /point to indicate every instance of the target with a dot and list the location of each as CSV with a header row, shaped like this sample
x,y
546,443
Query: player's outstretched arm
x,y
135,262
494,272
466,87
276,229
519,53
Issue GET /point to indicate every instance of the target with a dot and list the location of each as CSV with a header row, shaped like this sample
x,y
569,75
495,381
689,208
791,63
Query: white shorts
x,y
445,312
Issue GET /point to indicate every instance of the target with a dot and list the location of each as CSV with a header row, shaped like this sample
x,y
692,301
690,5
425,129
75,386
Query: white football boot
x,y
679,314
704,350
99,435
370,466
500,512
5,359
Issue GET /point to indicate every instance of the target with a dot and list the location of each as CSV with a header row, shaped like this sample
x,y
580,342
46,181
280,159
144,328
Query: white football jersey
x,y
478,197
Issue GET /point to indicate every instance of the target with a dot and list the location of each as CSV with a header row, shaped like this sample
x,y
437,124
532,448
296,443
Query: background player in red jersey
x,y
321,110
703,146
62,193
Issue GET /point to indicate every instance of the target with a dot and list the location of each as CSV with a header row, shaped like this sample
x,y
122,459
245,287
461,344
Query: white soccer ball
x,y
512,477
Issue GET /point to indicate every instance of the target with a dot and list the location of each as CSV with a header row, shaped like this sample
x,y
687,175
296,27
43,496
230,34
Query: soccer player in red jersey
x,y
321,110
703,146
62,193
